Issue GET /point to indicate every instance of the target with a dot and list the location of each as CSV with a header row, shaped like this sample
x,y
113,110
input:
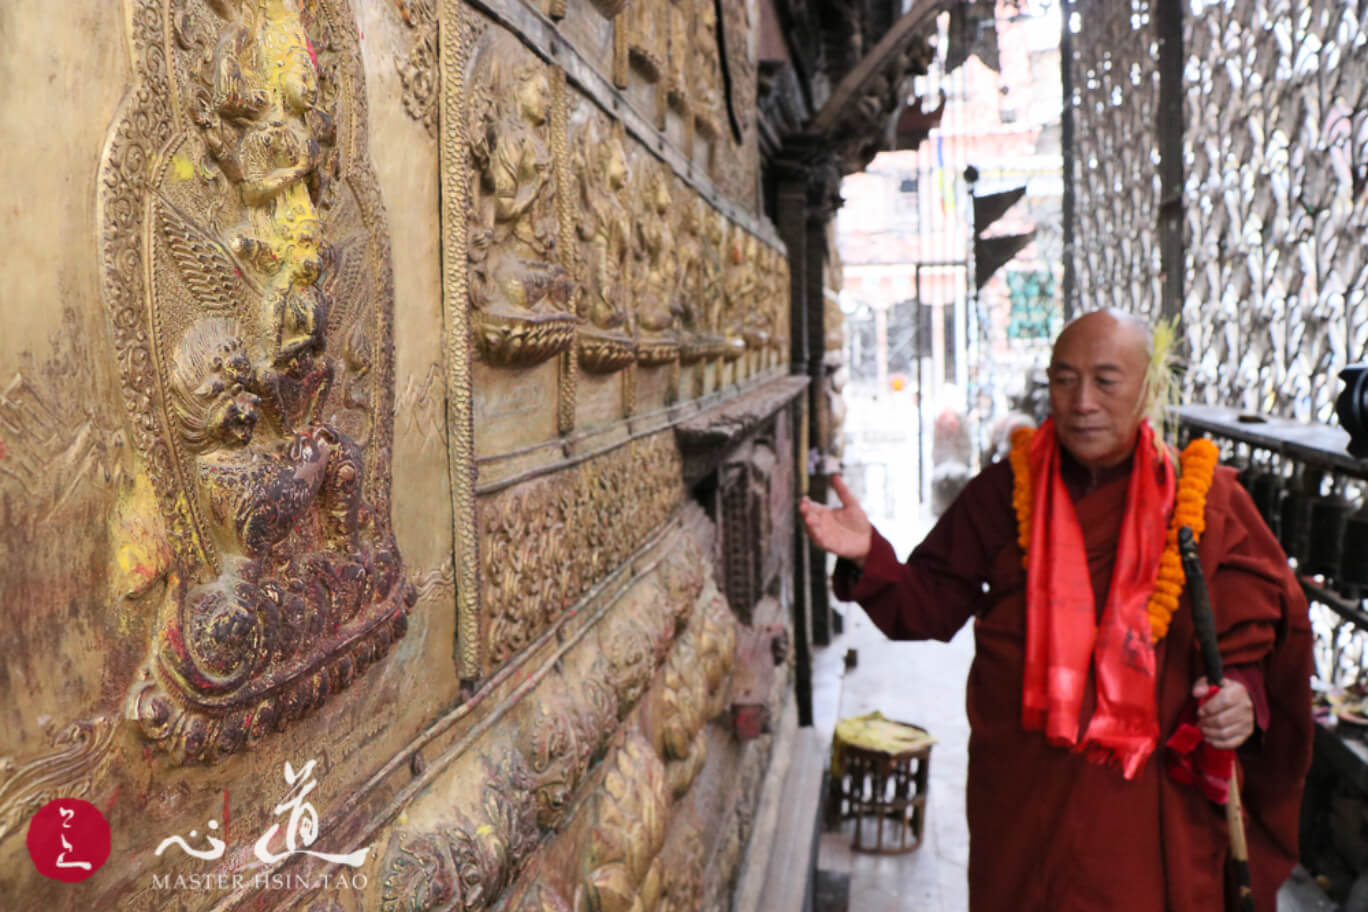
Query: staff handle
x,y
1205,625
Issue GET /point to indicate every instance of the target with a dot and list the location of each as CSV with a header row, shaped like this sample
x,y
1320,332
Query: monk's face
x,y
1097,377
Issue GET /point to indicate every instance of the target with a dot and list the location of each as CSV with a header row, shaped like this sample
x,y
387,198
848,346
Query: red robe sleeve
x,y
941,585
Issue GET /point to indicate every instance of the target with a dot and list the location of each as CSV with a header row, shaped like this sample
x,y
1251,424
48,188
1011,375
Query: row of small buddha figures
x,y
648,277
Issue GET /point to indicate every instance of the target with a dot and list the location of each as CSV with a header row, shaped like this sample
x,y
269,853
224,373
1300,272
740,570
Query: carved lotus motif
x,y
515,340
655,351
605,352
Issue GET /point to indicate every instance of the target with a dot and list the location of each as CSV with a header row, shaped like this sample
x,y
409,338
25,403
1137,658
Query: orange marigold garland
x,y
1021,485
1199,462
1198,468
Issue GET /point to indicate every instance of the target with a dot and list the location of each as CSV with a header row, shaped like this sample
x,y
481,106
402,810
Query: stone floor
x,y
922,683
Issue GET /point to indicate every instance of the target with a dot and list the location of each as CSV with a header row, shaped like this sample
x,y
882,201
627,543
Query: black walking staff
x,y
1211,658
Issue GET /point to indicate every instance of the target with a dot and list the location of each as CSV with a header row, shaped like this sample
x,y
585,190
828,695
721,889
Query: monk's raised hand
x,y
845,532
1227,719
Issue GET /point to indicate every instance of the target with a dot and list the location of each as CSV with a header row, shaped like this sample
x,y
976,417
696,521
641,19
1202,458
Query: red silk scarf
x,y
1063,636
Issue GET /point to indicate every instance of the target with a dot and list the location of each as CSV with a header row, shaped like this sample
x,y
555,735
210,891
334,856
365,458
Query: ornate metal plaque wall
x,y
1116,176
247,279
1275,146
1273,138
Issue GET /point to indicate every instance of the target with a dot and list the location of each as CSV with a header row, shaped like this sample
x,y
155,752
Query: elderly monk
x,y
1080,672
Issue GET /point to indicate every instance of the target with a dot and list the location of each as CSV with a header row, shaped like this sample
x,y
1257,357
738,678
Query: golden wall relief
x,y
692,692
680,54
248,286
715,285
621,863
655,279
682,865
780,305
699,339
577,746
738,290
418,68
520,291
737,41
545,543
751,309
605,250
737,158
647,31
469,862
707,102
80,755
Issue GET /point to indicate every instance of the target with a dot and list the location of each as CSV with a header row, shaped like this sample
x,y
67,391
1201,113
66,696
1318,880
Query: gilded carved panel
x,y
248,286
647,35
468,862
655,268
622,867
418,67
521,294
604,234
707,104
545,543
590,763
699,338
738,290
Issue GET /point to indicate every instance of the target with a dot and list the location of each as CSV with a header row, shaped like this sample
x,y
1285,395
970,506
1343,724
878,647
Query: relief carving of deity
x,y
657,305
778,304
251,312
714,237
680,53
521,296
734,290
753,299
646,37
604,229
697,340
707,72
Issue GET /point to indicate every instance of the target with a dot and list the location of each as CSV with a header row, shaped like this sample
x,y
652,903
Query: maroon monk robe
x,y
1049,830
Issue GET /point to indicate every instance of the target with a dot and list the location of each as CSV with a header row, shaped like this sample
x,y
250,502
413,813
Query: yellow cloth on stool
x,y
873,732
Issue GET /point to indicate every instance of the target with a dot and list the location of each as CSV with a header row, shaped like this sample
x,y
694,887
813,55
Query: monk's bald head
x,y
1097,382
1127,330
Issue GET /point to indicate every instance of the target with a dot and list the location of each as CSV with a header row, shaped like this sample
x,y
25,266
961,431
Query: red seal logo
x,y
68,840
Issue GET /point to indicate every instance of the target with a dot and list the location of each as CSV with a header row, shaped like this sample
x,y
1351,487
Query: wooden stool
x,y
879,778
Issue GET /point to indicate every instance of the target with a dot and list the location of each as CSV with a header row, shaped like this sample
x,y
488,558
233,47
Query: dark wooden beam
x,y
855,83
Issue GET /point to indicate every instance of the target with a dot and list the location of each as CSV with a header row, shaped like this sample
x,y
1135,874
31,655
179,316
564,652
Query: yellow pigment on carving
x,y
142,553
182,168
